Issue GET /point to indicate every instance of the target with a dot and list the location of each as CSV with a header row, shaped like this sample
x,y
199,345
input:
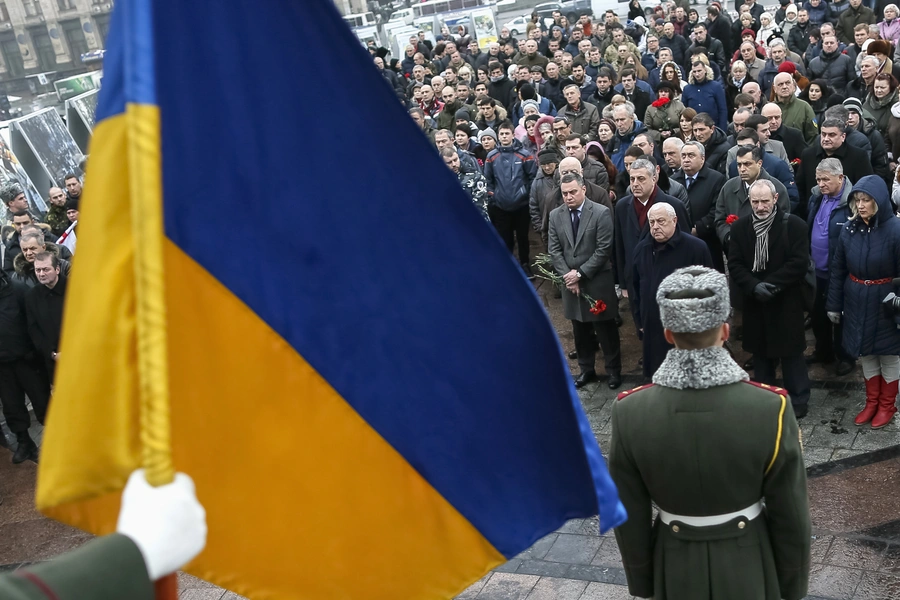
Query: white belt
x,y
749,513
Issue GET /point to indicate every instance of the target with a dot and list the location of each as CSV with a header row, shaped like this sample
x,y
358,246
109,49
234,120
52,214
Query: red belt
x,y
870,281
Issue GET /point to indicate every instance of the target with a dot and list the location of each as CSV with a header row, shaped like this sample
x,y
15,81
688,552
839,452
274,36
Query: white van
x,y
365,19
404,15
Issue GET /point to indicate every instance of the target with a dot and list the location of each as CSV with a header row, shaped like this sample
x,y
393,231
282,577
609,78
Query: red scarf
x,y
660,102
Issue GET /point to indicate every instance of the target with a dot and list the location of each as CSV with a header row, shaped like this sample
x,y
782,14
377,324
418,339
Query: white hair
x,y
832,166
670,210
628,107
761,183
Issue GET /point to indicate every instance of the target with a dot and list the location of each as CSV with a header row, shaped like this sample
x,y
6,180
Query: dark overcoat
x,y
654,262
775,328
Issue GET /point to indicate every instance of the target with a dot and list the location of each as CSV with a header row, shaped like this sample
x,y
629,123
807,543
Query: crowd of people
x,y
34,269
623,143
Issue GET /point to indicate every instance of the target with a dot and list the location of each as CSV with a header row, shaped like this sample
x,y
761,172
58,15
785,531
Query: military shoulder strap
x,y
626,393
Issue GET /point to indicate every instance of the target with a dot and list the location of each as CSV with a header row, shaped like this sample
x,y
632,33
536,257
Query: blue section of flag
x,y
292,174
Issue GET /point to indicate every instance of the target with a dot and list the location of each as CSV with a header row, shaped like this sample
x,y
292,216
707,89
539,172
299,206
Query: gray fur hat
x,y
693,300
9,191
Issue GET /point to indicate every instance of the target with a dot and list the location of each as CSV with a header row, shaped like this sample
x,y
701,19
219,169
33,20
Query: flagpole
x,y
152,353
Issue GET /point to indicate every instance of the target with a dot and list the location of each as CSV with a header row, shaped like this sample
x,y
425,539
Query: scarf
x,y
761,252
660,102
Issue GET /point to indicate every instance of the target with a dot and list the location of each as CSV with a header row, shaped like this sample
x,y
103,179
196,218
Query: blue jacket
x,y
708,97
867,252
840,216
781,171
621,144
509,171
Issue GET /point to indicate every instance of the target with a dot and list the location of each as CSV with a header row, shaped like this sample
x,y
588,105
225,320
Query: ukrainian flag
x,y
365,389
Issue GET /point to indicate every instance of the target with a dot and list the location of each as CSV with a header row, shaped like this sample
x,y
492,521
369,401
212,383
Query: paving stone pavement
x,y
854,475
577,563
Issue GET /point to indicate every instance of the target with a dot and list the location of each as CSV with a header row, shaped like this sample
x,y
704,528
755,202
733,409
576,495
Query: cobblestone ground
x,y
854,475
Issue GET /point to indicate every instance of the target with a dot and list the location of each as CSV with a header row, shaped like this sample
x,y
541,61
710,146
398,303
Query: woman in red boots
x,y
866,260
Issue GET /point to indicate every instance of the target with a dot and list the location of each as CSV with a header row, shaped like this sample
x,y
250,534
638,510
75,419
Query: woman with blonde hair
x,y
889,28
767,29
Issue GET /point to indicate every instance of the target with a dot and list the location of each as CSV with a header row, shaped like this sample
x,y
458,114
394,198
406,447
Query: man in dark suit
x,y
632,93
793,141
581,245
702,185
768,258
631,216
44,308
656,257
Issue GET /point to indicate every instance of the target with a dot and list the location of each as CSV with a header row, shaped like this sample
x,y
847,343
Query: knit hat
x,y
487,133
72,203
693,300
749,32
787,67
880,46
659,21
527,92
533,103
9,191
462,114
548,156
531,118
610,122
853,104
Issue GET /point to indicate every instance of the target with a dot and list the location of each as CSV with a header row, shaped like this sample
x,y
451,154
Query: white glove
x,y
167,523
834,317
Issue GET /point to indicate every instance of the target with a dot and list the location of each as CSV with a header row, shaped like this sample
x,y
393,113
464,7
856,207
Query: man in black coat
x,y
631,217
719,28
830,144
21,371
702,185
768,258
44,308
634,94
793,141
656,257
715,51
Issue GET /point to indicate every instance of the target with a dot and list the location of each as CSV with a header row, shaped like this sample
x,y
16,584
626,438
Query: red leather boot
x,y
887,405
873,392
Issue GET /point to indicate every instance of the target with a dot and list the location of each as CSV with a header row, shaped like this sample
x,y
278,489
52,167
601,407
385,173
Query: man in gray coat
x,y
581,245
734,202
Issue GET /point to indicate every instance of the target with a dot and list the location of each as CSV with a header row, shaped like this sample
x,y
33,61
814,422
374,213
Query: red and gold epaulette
x,y
771,388
626,393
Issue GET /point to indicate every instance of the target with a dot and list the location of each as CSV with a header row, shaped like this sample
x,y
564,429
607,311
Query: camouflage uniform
x,y
476,187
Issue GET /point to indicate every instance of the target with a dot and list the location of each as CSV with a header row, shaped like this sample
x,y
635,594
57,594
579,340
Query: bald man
x,y
794,112
657,256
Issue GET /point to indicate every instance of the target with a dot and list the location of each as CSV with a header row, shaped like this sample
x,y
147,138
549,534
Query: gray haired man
x,y
829,210
768,257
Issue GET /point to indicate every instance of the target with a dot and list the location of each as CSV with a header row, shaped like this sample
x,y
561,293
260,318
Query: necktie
x,y
575,221
688,183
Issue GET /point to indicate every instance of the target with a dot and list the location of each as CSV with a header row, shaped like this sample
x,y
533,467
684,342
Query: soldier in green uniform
x,y
720,457
159,531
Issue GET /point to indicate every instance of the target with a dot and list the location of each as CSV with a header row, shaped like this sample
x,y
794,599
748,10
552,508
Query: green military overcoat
x,y
108,568
705,442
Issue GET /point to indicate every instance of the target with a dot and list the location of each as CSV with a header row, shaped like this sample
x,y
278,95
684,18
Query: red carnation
x,y
598,307
731,219
795,162
660,102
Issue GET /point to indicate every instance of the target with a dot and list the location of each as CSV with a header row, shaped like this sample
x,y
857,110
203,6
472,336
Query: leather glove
x,y
834,317
167,524
764,291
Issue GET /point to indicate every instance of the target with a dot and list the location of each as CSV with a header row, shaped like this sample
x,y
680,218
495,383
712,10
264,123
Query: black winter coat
x,y
15,343
867,252
44,308
793,141
654,262
855,162
775,328
702,196
628,234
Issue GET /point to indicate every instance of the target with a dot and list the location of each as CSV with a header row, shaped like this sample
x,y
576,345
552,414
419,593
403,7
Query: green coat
x,y
705,452
108,568
798,114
